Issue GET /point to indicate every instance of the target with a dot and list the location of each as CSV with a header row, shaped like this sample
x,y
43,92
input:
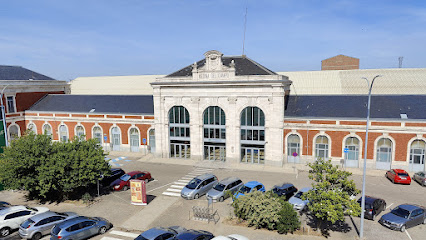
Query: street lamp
x,y
361,232
3,116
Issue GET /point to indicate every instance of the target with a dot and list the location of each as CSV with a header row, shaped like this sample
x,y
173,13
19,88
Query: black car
x,y
115,174
373,207
285,189
194,235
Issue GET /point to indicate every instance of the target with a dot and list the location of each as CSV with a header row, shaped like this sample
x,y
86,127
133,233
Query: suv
x,y
105,181
11,217
199,186
373,206
219,191
286,189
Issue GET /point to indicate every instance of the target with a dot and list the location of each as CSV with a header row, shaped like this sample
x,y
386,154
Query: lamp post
x,y
3,116
361,232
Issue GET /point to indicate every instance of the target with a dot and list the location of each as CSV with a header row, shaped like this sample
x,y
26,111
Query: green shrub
x,y
87,198
289,220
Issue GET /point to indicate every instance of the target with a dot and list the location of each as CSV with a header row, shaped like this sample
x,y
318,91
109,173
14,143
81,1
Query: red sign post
x,y
138,191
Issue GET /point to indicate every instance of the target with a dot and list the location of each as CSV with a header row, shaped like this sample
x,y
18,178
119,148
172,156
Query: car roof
x,y
399,170
44,215
72,221
368,199
191,233
306,189
409,207
133,173
12,209
229,180
154,232
252,184
205,176
284,185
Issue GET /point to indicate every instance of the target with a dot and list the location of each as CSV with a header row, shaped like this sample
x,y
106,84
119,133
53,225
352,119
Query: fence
x,y
205,214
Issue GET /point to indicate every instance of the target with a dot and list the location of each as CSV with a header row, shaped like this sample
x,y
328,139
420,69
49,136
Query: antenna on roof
x,y
400,61
245,23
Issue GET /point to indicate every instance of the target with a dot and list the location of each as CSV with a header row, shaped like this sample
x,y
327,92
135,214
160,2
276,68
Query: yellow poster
x,y
136,191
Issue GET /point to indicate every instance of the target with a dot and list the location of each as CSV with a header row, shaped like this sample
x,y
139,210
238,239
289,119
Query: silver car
x,y
220,190
297,201
199,186
39,225
420,177
79,228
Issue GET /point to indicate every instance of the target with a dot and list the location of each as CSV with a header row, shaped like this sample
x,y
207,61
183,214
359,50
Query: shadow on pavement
x,y
326,226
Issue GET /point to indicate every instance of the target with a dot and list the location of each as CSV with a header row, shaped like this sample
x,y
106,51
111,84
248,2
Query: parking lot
x,y
165,210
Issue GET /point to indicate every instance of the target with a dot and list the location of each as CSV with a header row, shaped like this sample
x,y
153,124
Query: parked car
x,y
79,228
4,205
220,190
230,237
373,207
286,189
297,201
250,187
113,175
194,235
12,216
404,216
160,233
41,224
398,176
420,177
123,183
199,186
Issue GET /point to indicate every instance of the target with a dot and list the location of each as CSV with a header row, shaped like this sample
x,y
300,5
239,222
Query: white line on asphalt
x,y
191,175
187,178
180,183
171,194
176,186
110,238
201,171
158,187
125,234
184,181
408,234
173,190
389,206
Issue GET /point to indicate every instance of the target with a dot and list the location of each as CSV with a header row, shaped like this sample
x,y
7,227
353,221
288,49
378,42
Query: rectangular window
x,y
11,104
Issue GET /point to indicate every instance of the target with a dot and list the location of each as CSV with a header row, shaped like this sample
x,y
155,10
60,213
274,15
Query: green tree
x,y
52,170
330,199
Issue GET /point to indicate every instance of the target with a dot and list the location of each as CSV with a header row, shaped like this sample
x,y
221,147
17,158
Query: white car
x,y
230,237
13,216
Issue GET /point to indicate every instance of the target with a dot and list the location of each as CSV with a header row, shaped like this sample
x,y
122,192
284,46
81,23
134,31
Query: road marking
x,y
180,183
173,190
183,181
191,175
171,194
125,234
186,178
389,206
159,187
110,238
408,234
177,186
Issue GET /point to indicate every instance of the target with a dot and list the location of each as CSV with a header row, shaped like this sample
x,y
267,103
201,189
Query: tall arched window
x,y
32,127
180,146
384,154
63,133
134,139
351,152
321,147
13,132
152,140
214,134
116,139
47,130
252,135
97,133
417,155
79,131
293,148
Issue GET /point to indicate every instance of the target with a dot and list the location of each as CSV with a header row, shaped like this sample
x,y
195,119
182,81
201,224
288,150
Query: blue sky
x,y
69,39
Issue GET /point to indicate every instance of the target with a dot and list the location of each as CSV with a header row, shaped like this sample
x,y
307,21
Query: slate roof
x,y
243,66
355,106
119,104
20,73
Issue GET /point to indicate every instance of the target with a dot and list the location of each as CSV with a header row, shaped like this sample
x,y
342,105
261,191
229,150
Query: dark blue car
x,y
404,216
194,235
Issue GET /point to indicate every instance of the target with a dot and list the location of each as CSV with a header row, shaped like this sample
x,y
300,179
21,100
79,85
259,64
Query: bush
x,y
266,211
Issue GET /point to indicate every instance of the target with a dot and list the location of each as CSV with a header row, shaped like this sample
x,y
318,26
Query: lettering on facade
x,y
213,75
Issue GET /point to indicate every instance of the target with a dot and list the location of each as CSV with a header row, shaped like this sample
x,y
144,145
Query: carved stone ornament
x,y
232,100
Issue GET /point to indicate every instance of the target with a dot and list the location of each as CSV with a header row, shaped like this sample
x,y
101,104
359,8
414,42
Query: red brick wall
x,y
25,100
340,62
400,146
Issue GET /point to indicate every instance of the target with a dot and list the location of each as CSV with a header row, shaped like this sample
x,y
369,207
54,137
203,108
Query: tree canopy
x,y
52,170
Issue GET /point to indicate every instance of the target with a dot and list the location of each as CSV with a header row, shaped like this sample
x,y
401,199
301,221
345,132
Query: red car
x,y
398,176
123,183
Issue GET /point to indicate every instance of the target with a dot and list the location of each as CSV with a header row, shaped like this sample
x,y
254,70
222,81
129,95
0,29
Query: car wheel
x,y
221,199
102,230
403,228
36,236
196,196
4,231
125,188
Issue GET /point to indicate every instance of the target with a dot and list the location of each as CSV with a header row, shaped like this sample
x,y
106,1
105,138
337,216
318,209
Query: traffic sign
x,y
346,150
295,154
144,141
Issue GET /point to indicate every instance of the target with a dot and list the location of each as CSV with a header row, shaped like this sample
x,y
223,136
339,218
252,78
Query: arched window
x,y
252,135
97,133
79,131
63,133
351,152
214,133
417,155
32,127
116,139
134,139
13,132
47,130
384,154
180,146
321,147
293,148
152,140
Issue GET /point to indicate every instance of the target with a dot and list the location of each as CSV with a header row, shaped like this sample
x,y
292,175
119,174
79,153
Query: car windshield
x,y
298,195
193,183
402,174
368,206
27,223
125,177
401,212
219,187
56,230
32,209
245,189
